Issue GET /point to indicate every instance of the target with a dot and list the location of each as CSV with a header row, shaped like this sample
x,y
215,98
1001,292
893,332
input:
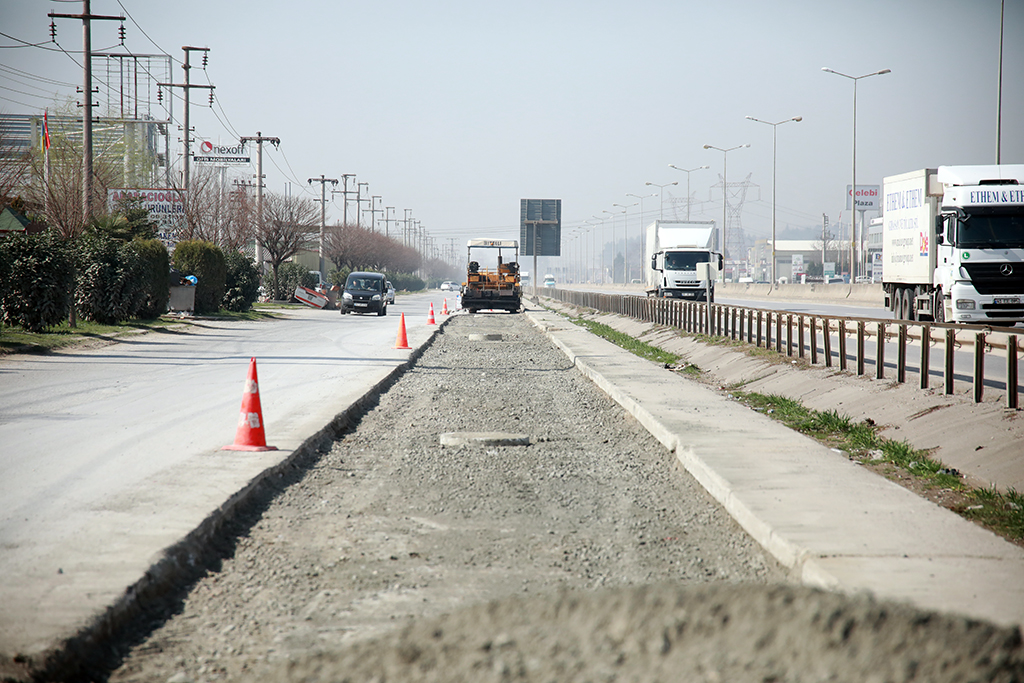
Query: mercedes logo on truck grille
x,y
1006,270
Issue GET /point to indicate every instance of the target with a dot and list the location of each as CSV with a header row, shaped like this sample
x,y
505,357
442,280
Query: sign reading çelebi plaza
x,y
210,153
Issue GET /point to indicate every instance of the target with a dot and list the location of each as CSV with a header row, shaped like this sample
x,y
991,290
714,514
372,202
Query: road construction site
x,y
651,528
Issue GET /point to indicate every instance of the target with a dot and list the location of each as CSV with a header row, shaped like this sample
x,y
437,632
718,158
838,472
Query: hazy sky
x,y
457,109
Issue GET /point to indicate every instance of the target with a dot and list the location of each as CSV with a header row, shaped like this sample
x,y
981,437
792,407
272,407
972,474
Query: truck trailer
x,y
674,250
953,244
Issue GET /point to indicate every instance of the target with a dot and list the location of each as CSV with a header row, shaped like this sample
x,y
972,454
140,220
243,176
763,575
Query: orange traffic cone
x,y
430,316
250,435
444,308
401,342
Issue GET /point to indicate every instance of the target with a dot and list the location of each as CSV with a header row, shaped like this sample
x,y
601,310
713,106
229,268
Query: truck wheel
x,y
908,304
938,307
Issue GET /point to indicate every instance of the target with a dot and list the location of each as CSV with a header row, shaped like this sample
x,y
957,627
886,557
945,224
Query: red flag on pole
x,y
46,129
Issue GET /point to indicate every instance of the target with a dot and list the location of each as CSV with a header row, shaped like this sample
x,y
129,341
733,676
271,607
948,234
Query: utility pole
x,y
259,139
344,194
387,220
187,87
405,227
359,201
323,214
87,18
374,212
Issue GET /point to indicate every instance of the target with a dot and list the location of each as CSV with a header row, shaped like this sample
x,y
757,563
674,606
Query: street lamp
x,y
775,127
688,172
598,258
853,187
625,242
661,189
725,190
643,246
613,214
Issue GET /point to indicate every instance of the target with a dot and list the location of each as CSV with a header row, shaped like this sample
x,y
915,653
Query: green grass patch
x,y
634,346
1000,512
15,339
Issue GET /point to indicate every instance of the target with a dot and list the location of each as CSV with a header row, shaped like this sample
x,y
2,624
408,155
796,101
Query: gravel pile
x,y
587,555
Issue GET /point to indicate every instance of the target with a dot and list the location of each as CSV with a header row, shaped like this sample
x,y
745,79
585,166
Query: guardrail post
x,y
860,347
814,340
750,325
979,366
826,341
926,361
789,335
880,353
768,329
760,317
800,337
778,333
948,361
901,354
842,343
1011,371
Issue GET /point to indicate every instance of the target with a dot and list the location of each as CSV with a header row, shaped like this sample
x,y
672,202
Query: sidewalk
x,y
833,524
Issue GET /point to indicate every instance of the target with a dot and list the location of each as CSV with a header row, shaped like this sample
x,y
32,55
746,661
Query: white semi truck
x,y
674,250
953,244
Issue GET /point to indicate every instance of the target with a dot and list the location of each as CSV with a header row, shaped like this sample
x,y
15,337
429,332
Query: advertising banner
x,y
869,197
165,206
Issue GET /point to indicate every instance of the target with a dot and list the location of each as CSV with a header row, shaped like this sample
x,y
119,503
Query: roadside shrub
x,y
36,291
406,281
110,279
242,286
290,276
338,276
155,281
205,260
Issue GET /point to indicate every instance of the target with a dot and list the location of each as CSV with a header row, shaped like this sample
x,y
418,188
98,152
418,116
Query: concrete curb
x,y
81,657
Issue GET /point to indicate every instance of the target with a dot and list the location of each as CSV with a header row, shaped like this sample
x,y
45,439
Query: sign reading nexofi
x,y
868,197
220,154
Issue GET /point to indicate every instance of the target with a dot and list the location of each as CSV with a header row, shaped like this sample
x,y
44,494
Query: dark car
x,y
365,293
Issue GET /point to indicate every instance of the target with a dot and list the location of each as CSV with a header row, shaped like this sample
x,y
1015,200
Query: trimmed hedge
x,y
111,279
205,260
156,263
35,292
243,282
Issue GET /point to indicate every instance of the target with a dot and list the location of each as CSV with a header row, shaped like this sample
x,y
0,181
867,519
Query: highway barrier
x,y
824,339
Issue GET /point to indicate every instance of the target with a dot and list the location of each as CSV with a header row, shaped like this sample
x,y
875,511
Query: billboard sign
x,y
868,197
540,227
210,153
166,207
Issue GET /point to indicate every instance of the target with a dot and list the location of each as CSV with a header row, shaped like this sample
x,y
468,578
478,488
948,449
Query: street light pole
x,y
643,246
725,190
625,243
688,172
775,127
853,187
661,189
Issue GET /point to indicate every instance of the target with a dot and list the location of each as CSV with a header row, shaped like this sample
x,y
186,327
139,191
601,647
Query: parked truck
x,y
496,287
953,244
674,250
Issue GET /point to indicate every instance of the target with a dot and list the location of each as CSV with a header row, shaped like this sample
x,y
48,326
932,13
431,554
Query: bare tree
x,y
289,224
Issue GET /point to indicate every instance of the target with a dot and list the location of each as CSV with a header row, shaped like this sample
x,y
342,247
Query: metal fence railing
x,y
826,339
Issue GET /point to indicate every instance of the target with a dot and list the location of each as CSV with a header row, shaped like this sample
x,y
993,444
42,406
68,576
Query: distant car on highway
x,y
549,280
449,286
389,293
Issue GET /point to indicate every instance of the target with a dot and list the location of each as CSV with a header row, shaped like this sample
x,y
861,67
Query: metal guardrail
x,y
767,328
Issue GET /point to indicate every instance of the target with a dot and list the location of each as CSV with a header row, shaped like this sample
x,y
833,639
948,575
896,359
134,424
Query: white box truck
x,y
674,248
953,244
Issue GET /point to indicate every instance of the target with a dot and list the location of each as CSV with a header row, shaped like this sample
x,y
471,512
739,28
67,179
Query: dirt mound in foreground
x,y
666,633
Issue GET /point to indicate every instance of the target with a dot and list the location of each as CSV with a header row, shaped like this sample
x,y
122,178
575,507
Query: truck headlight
x,y
965,304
